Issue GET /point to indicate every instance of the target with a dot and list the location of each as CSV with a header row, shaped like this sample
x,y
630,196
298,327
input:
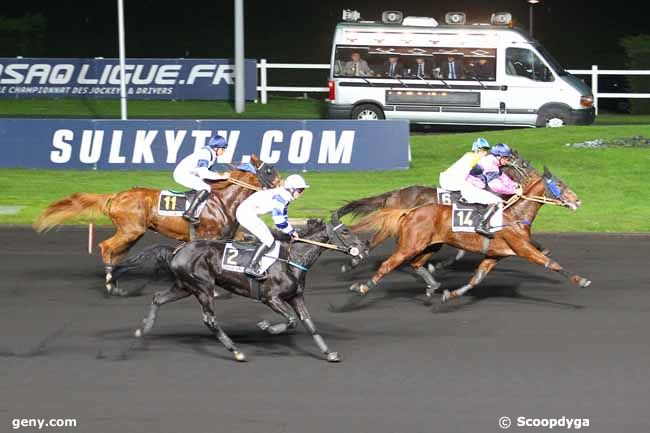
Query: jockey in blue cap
x,y
455,176
274,201
192,169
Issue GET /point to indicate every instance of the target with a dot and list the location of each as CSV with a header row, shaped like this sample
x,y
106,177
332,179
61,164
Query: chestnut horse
x,y
135,210
403,198
422,229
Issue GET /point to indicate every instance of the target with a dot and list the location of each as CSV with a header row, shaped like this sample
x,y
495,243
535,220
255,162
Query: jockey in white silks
x,y
195,167
275,201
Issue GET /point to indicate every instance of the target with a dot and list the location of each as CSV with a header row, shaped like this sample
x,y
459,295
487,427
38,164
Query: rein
x,y
320,244
536,198
244,184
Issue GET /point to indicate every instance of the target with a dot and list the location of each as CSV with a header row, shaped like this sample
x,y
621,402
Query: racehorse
x,y
197,268
135,210
423,229
404,198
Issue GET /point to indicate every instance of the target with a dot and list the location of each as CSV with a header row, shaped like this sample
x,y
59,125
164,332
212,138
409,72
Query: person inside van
x,y
421,69
393,67
357,67
452,69
483,70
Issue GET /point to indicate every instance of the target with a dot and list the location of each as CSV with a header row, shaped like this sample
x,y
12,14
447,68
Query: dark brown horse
x,y
423,229
135,210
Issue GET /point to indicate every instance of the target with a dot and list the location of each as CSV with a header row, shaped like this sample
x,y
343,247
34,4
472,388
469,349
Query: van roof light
x,y
350,15
392,17
420,22
501,18
455,18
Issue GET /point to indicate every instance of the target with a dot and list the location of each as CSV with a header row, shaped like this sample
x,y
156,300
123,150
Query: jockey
x,y
486,181
455,176
192,169
276,201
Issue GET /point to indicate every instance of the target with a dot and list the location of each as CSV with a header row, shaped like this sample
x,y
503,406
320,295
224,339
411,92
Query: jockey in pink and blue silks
x,y
486,181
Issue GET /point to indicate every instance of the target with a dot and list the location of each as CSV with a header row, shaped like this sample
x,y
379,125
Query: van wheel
x,y
367,112
553,118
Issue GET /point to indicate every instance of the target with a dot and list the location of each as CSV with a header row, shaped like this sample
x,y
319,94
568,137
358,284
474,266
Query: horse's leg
x,y
279,306
399,257
433,267
210,321
483,269
542,249
528,251
114,248
421,270
159,299
298,304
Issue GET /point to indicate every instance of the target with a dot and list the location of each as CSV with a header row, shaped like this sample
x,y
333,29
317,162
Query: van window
x,y
525,63
415,62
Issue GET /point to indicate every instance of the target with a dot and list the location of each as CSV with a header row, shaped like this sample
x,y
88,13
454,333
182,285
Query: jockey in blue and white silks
x,y
276,202
195,167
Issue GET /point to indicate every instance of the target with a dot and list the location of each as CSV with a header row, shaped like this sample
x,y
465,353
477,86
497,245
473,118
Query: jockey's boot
x,y
199,198
253,268
483,226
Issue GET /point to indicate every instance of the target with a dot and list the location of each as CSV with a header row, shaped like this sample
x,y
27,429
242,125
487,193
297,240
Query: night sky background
x,y
577,32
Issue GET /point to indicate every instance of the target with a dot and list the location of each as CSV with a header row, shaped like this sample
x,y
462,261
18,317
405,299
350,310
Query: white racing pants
x,y
477,195
190,180
255,225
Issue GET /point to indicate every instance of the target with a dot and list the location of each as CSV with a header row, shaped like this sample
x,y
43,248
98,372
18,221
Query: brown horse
x,y
423,229
135,210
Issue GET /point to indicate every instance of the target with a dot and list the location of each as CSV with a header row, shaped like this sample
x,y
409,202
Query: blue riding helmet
x,y
480,143
502,150
218,142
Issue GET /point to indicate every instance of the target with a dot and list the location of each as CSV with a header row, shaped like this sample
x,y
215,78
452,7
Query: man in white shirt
x,y
275,201
195,167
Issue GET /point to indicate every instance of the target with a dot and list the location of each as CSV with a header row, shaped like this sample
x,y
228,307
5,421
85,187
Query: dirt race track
x,y
527,345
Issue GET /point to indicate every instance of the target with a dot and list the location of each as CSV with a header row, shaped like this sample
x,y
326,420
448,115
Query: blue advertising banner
x,y
145,78
292,145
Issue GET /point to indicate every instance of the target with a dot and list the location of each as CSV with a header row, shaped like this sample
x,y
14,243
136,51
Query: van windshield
x,y
551,60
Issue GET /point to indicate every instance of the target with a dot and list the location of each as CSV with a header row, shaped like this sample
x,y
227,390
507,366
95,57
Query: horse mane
x,y
521,171
313,225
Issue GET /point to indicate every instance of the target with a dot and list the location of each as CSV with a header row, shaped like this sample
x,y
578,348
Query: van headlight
x,y
587,101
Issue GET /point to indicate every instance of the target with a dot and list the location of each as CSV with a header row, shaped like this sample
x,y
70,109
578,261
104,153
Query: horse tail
x,y
77,204
386,222
160,255
364,206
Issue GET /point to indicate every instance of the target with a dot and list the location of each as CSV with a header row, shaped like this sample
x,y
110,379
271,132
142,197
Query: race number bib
x,y
171,204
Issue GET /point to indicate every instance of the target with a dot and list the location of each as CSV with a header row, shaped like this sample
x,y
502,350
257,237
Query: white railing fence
x,y
594,72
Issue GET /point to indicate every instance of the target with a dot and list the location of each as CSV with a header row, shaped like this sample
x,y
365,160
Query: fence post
x,y
263,80
594,86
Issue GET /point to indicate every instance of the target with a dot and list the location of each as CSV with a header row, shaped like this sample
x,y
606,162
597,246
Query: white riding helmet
x,y
295,181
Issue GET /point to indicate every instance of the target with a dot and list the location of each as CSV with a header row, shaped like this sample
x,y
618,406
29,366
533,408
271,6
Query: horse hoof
x,y
360,288
264,325
333,357
584,282
240,357
138,333
446,296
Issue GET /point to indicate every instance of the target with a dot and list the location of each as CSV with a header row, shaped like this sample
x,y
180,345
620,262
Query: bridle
x,y
549,188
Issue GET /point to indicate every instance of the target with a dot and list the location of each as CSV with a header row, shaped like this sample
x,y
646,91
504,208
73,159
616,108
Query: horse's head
x,y
556,188
523,172
266,174
346,239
